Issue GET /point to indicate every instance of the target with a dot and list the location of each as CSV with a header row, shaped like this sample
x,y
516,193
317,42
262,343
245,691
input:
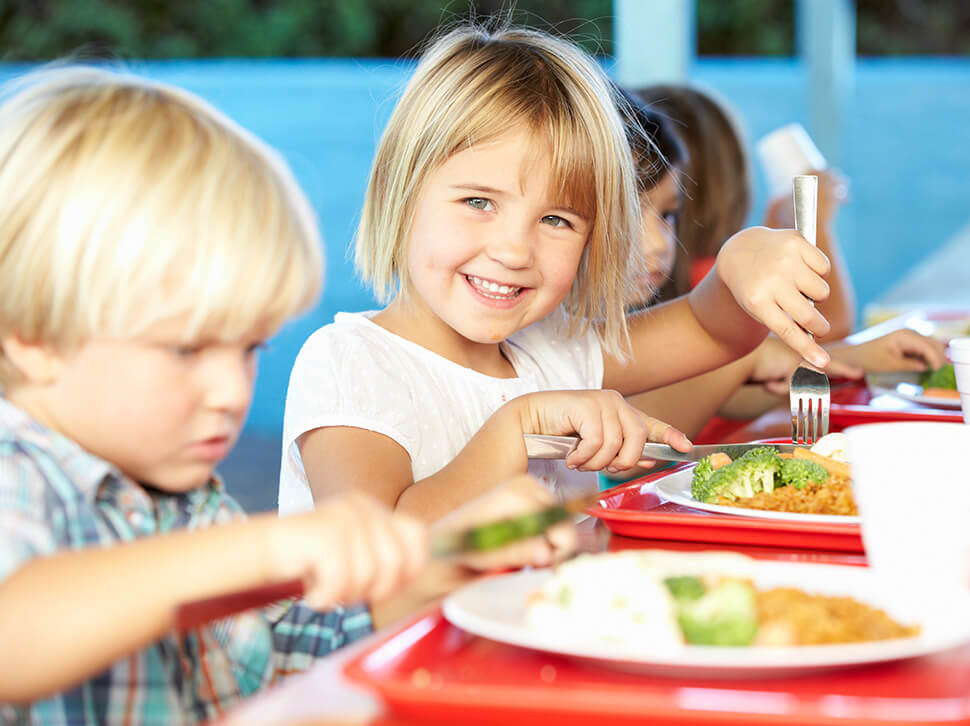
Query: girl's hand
x,y
611,431
900,350
775,275
350,548
519,495
775,362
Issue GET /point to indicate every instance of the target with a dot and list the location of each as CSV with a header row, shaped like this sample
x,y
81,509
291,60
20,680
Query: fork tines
x,y
809,398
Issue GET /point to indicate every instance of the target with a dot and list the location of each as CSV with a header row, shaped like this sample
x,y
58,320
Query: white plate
x,y
676,488
905,385
495,608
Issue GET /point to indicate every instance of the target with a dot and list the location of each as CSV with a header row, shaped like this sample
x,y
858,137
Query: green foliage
x,y
44,29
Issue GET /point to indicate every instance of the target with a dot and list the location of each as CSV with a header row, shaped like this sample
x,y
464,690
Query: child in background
x,y
148,246
501,215
717,197
661,162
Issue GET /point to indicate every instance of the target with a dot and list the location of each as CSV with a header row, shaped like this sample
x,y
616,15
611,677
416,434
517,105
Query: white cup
x,y
960,355
787,152
912,484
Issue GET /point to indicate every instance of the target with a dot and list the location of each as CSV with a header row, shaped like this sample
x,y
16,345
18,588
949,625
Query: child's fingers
x,y
804,313
812,285
794,337
815,258
841,369
635,434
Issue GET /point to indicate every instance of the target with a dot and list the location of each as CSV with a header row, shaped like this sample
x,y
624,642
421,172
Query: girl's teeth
x,y
494,287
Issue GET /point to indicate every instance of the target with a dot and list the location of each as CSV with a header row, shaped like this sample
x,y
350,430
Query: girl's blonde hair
x,y
474,85
125,201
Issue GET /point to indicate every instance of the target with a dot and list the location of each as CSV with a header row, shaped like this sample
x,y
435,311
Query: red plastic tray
x,y
431,672
853,403
635,510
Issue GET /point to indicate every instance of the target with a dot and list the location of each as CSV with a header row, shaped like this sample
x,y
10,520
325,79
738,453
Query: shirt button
x,y
135,518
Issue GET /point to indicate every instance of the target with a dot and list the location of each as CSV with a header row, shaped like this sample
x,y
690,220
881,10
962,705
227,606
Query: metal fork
x,y
809,393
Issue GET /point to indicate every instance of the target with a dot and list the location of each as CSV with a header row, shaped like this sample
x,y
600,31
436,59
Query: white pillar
x,y
825,38
654,41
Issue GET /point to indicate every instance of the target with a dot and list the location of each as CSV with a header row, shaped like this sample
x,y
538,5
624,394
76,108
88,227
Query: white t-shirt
x,y
355,373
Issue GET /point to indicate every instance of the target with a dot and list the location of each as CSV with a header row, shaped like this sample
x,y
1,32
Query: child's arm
x,y
762,278
613,433
514,497
839,307
66,617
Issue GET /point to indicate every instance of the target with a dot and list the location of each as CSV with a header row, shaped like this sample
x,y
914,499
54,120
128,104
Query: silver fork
x,y
809,393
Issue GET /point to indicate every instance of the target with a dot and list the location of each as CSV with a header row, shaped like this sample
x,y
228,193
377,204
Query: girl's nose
x,y
513,248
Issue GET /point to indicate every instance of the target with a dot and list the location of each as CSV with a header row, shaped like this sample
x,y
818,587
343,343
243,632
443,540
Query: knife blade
x,y
540,446
482,538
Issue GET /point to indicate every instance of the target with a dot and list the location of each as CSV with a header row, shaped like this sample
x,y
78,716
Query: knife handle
x,y
483,538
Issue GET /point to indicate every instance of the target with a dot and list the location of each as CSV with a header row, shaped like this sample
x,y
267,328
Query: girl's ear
x,y
37,362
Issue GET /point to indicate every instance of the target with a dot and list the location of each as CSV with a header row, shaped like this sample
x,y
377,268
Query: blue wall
x,y
906,154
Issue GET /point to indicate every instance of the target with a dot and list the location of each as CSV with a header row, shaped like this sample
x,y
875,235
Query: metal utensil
x,y
540,446
809,392
482,538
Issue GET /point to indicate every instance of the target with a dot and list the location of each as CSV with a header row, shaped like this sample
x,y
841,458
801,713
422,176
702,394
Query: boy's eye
x,y
554,220
186,351
255,348
478,203
670,218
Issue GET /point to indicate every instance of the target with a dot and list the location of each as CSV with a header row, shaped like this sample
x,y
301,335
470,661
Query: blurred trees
x,y
42,29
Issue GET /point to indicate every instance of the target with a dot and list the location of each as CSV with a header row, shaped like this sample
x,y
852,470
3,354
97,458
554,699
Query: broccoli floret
x,y
747,475
727,614
702,474
942,377
798,472
685,588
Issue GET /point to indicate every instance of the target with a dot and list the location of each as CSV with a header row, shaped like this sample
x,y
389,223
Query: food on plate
x,y
940,383
656,600
813,481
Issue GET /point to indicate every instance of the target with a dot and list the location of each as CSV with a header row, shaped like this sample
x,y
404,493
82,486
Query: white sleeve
x,y
339,380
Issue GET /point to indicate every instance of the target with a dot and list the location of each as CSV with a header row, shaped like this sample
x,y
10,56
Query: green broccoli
x,y
798,472
702,474
685,588
942,377
727,614
747,475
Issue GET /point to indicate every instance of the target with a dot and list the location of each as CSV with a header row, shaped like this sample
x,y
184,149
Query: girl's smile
x,y
491,250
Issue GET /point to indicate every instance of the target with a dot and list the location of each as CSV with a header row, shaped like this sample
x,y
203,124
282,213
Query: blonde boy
x,y
148,246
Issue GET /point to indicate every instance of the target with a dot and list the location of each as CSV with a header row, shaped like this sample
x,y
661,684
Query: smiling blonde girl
x,y
500,220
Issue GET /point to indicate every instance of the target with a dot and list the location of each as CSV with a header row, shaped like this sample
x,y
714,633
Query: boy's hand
x,y
775,275
350,548
517,496
611,431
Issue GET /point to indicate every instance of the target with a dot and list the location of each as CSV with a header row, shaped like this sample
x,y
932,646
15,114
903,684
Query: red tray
x,y
431,672
853,403
635,510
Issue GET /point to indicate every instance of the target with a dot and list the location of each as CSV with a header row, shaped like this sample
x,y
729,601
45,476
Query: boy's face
x,y
163,412
659,207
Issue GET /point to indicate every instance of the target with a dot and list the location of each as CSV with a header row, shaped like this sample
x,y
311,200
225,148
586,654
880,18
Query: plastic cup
x,y
912,484
960,355
787,152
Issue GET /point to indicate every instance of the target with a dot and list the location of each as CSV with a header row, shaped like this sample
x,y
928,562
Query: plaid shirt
x,y
56,496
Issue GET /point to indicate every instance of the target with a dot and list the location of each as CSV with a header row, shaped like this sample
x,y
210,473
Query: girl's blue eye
x,y
478,203
554,220
186,351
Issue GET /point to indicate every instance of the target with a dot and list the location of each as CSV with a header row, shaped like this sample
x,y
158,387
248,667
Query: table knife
x,y
482,538
539,446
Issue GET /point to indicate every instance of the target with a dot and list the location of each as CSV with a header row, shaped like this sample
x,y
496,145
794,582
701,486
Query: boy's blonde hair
x,y
473,85
124,201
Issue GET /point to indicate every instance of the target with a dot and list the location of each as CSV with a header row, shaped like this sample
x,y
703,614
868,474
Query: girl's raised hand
x,y
611,431
775,275
350,548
